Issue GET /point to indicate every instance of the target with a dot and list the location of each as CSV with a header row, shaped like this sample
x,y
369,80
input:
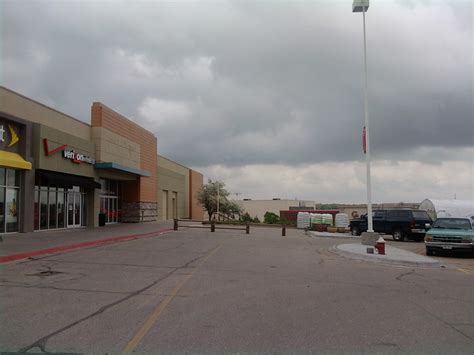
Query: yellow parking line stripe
x,y
153,318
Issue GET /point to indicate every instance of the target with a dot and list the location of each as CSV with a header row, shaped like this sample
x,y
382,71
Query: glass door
x,y
74,204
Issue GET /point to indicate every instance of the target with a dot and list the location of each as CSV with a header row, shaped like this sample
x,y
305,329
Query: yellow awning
x,y
13,160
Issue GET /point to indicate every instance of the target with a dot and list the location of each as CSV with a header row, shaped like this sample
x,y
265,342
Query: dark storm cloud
x,y
243,82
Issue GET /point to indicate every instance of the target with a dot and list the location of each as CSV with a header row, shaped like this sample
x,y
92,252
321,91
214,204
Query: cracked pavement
x,y
257,293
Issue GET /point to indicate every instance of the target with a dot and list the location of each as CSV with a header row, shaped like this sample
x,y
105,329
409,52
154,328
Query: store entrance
x,y
74,209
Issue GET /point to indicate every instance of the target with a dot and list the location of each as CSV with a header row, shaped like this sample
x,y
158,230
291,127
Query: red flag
x,y
364,141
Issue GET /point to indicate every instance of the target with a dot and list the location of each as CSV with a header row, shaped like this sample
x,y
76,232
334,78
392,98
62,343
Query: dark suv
x,y
399,223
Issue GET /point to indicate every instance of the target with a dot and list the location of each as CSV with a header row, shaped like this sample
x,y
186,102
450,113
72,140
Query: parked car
x,y
400,223
455,234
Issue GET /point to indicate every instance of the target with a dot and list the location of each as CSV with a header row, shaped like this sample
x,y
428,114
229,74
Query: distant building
x,y
258,208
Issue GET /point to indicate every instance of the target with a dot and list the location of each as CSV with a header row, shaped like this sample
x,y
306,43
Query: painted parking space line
x,y
155,315
467,271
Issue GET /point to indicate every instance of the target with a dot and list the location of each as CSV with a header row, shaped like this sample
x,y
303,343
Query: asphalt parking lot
x,y
196,291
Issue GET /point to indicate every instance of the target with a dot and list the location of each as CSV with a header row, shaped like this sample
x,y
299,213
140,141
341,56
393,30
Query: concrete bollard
x,y
213,226
247,229
175,225
283,231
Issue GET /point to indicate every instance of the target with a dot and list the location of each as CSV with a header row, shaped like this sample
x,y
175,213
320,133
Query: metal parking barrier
x,y
213,225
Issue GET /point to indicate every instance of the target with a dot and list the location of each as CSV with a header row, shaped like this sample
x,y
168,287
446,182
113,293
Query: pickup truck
x,y
456,234
400,223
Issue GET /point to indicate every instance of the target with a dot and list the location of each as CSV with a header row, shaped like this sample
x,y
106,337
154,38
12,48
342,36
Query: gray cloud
x,y
238,83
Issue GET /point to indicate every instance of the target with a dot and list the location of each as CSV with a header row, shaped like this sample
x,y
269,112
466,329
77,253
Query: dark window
x,y
61,208
452,223
420,215
2,176
52,208
2,208
44,208
36,208
378,214
392,214
404,214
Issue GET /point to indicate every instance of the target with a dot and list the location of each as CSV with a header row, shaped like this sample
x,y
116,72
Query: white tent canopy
x,y
448,208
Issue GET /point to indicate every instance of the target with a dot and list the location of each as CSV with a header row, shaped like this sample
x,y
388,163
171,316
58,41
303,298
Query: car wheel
x,y
429,252
355,231
398,235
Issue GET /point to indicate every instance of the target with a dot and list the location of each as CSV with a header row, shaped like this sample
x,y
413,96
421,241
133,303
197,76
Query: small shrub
x,y
271,218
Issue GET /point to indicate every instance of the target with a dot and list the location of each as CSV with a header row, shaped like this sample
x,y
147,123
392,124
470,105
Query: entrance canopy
x,y
13,160
121,168
60,179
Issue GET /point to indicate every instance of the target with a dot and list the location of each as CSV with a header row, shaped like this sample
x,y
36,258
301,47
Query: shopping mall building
x,y
59,172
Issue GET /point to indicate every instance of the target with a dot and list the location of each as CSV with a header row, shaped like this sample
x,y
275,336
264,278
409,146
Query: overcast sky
x,y
267,95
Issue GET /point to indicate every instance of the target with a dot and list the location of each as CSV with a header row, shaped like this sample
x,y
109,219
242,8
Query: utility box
x,y
359,5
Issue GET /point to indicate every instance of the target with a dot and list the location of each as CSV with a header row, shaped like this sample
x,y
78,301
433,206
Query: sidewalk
x,y
331,235
394,256
28,242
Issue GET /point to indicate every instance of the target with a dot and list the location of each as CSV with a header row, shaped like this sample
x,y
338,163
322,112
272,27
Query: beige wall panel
x,y
164,163
173,182
57,162
110,147
25,108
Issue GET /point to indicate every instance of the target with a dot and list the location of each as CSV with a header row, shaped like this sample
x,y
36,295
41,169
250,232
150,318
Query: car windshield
x,y
420,215
452,223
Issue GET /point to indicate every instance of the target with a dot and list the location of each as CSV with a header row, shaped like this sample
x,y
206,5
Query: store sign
x,y
8,135
77,157
67,153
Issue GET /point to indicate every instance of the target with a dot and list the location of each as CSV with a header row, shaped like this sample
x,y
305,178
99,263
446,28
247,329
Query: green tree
x,y
246,218
230,209
271,218
215,191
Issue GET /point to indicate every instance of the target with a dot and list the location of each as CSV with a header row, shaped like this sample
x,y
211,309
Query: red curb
x,y
67,247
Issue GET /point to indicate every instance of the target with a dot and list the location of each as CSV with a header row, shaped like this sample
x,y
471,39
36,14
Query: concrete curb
x,y
330,235
75,246
379,259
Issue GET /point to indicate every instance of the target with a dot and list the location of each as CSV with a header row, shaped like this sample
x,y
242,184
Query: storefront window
x,y
9,194
52,208
60,207
44,208
13,177
84,210
12,210
110,200
2,208
36,213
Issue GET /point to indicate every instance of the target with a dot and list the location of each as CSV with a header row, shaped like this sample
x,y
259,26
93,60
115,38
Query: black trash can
x,y
101,219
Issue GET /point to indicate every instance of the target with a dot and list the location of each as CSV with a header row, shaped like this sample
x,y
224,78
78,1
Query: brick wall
x,y
195,185
146,189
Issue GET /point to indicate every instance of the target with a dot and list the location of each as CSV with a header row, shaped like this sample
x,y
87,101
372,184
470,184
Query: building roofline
x,y
46,106
174,162
122,116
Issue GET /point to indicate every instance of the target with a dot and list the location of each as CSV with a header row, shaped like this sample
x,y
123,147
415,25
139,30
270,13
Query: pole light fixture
x,y
363,6
360,5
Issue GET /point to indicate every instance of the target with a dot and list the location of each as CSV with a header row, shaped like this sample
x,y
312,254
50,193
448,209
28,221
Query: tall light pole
x,y
218,198
363,6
